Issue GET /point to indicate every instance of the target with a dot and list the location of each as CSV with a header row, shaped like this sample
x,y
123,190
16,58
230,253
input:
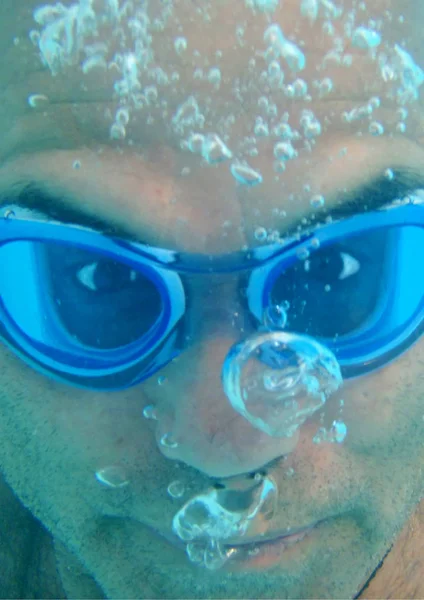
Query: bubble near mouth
x,y
214,523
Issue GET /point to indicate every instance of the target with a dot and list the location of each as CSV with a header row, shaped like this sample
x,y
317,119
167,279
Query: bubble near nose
x,y
277,380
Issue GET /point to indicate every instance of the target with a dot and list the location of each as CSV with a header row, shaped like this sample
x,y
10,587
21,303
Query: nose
x,y
195,417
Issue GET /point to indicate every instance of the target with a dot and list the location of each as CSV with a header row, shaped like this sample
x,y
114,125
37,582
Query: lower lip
x,y
265,555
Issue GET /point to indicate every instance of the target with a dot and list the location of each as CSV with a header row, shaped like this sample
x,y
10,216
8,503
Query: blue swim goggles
x,y
104,313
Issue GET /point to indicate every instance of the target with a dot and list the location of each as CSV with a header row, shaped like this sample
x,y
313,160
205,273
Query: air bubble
x,y
207,521
151,94
167,441
366,38
117,132
176,489
149,412
317,201
260,234
214,76
375,102
34,36
122,116
113,476
376,128
261,127
245,175
76,164
335,435
284,151
302,253
8,214
195,143
325,87
300,88
93,62
275,317
214,150
263,103
303,373
162,380
309,9
389,174
283,130
38,100
187,114
180,45
291,53
266,6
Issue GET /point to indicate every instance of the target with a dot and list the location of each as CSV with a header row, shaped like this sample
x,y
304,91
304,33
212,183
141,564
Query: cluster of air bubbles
x,y
310,124
280,46
210,520
326,9
66,31
400,69
245,175
364,111
176,489
336,434
366,38
277,380
113,476
69,36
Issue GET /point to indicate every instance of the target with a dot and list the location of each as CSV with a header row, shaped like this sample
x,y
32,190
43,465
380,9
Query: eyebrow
x,y
370,196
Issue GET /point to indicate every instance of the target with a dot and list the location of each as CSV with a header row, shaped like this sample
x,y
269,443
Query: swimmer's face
x,y
141,177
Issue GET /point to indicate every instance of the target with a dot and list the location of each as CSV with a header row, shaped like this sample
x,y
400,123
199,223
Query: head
x,y
243,152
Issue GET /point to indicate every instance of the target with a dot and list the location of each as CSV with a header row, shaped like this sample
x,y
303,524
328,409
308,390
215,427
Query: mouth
x,y
286,534
263,553
260,552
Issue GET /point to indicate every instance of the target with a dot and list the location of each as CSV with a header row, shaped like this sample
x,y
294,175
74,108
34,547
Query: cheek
x,y
384,406
91,429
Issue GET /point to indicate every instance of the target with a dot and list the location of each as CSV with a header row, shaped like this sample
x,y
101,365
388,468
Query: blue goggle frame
x,y
123,367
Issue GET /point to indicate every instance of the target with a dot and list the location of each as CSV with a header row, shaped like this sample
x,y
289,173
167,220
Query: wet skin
x,y
363,490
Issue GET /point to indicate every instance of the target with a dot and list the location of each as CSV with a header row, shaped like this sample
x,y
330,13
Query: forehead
x,y
193,119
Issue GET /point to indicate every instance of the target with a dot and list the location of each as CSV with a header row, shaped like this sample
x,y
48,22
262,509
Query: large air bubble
x,y
277,380
211,522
